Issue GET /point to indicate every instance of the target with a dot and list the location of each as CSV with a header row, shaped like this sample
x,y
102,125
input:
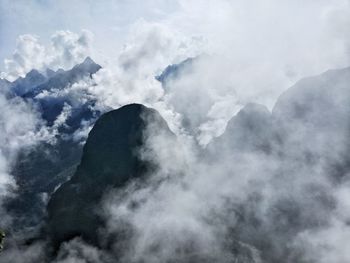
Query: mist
x,y
244,177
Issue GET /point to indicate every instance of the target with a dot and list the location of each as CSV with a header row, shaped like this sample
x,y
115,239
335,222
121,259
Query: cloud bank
x,y
242,53
65,50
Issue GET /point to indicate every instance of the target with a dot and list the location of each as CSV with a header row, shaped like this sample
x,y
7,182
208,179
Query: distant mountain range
x,y
42,168
35,82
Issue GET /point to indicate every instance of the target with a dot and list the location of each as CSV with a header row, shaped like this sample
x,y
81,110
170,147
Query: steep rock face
x,y
110,159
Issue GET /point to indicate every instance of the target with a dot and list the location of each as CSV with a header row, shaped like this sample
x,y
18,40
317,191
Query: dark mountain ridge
x,y
109,160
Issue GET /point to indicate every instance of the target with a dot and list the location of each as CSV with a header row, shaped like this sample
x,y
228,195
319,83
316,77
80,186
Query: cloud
x,y
269,205
65,50
253,60
69,48
21,253
18,126
29,54
244,53
131,79
17,121
77,251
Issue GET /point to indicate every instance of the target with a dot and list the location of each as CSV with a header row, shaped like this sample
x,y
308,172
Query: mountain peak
x,y
49,72
88,60
88,66
34,74
23,85
112,145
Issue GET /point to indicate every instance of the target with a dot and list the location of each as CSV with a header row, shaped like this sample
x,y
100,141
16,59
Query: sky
x,y
270,28
108,20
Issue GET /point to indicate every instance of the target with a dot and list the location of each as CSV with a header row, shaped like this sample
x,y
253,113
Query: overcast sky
x,y
242,25
109,20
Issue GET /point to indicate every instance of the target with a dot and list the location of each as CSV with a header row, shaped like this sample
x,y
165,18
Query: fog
x,y
218,194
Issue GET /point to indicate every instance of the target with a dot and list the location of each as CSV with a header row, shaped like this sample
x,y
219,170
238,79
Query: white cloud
x,y
65,50
29,54
255,51
18,123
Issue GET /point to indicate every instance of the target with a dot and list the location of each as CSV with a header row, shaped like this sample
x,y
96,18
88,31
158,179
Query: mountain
x,y
173,71
297,153
40,169
250,130
299,146
32,79
51,106
63,78
5,87
35,83
109,160
309,123
312,118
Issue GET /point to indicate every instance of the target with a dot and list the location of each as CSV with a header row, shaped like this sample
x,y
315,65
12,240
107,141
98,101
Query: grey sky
x,y
107,19
263,23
